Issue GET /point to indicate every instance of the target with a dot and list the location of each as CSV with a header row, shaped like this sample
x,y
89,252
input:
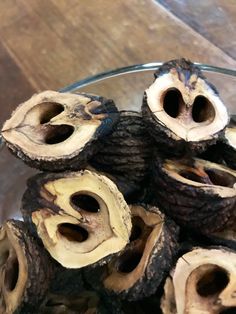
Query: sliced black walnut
x,y
25,270
59,131
203,281
126,152
81,217
196,193
182,109
139,269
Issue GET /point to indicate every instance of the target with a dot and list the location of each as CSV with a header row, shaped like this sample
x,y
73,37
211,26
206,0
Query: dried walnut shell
x,y
81,217
58,131
196,193
182,110
138,270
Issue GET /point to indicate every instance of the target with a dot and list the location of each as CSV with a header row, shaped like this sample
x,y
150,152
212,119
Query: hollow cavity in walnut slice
x,y
203,281
57,131
139,269
81,217
181,107
25,271
196,193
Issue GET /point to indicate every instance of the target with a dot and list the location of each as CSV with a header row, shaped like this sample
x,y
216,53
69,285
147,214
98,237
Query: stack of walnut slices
x,y
132,212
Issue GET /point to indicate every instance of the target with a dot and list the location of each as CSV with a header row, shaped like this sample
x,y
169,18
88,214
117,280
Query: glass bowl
x,y
125,86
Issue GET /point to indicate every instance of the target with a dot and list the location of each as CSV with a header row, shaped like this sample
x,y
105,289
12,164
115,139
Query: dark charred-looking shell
x,y
126,152
229,145
81,217
26,270
196,193
224,151
182,110
226,237
139,269
58,131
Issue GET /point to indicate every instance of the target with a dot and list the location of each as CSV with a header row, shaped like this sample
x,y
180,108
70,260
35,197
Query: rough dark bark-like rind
x,y
229,154
108,115
160,261
80,302
214,154
229,149
223,152
225,238
39,269
66,282
182,66
194,207
126,152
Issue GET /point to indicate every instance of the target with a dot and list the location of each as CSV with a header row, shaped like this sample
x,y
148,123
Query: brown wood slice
x,y
26,270
183,110
203,281
59,131
195,193
139,269
81,217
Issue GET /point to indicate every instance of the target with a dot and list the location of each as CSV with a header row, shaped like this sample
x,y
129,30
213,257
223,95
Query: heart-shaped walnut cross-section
x,y
81,217
182,109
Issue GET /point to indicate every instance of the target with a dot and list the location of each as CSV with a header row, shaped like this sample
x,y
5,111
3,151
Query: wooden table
x,y
48,44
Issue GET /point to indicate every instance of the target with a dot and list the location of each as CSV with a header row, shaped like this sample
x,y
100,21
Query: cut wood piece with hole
x,y
203,281
59,131
195,193
126,152
182,109
25,270
81,217
138,270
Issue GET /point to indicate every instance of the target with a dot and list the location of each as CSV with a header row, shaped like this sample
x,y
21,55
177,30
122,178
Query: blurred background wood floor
x,y
47,44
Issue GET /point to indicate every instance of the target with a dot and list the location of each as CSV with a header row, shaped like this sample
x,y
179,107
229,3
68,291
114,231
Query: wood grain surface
x,y
49,44
213,19
55,42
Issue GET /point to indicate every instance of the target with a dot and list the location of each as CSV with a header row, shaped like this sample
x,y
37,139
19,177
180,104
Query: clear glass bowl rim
x,y
152,66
